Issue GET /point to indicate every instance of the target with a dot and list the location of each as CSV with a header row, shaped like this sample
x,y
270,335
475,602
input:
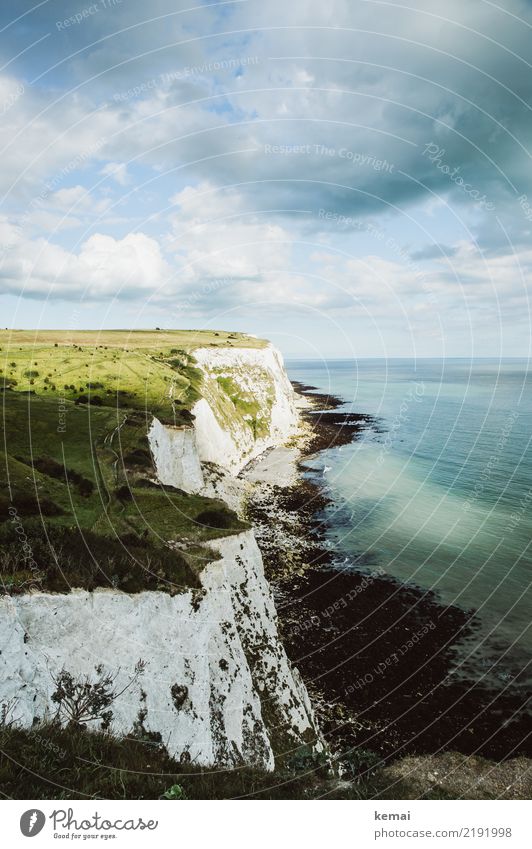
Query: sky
x,y
348,179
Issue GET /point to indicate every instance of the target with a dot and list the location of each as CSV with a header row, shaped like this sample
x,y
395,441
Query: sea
x,y
436,492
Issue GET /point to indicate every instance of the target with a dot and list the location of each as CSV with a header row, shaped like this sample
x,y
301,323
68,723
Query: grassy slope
x,y
48,762
139,339
145,370
54,763
148,371
69,464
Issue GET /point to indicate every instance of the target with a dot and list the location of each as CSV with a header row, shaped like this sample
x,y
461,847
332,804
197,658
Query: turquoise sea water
x,y
439,492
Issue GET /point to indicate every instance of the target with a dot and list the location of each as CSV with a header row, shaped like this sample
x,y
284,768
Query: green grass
x,y
185,517
50,762
59,558
145,370
76,410
232,403
72,481
245,405
146,339
65,763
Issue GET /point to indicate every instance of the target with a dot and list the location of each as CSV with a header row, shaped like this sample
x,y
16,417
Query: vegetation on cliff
x,y
152,371
80,505
51,762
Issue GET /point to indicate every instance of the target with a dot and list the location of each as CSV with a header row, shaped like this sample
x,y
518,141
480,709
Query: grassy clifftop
x,y
146,370
139,339
79,506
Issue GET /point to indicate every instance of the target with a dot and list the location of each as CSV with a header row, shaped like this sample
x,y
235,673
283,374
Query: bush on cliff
x,y
217,518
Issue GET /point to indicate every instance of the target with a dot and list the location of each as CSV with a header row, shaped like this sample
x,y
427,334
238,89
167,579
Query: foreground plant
x,y
81,700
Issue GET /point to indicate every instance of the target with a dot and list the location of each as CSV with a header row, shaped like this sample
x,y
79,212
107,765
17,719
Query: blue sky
x,y
350,178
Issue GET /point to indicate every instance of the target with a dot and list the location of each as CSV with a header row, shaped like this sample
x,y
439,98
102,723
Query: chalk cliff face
x,y
258,378
175,456
247,406
218,649
238,698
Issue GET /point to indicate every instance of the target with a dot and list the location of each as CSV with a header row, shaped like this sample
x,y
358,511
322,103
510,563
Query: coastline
x,y
378,656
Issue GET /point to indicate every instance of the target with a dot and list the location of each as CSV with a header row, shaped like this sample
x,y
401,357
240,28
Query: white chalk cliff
x,y
223,432
240,700
220,647
229,441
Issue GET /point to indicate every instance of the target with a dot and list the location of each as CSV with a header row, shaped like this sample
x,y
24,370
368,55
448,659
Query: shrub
x,y
307,759
179,693
146,483
53,469
8,382
139,457
48,466
216,518
174,793
85,487
81,700
358,764
27,504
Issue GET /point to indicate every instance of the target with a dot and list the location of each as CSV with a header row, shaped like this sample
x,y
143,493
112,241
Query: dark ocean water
x,y
438,492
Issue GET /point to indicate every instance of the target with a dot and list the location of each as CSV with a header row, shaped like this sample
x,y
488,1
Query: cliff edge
x,y
247,406
215,684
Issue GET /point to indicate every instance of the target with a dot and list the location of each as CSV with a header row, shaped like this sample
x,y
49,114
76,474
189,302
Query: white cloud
x,y
76,200
104,267
212,236
45,139
118,171
65,199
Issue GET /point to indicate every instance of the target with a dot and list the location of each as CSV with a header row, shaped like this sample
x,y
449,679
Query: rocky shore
x,y
377,656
